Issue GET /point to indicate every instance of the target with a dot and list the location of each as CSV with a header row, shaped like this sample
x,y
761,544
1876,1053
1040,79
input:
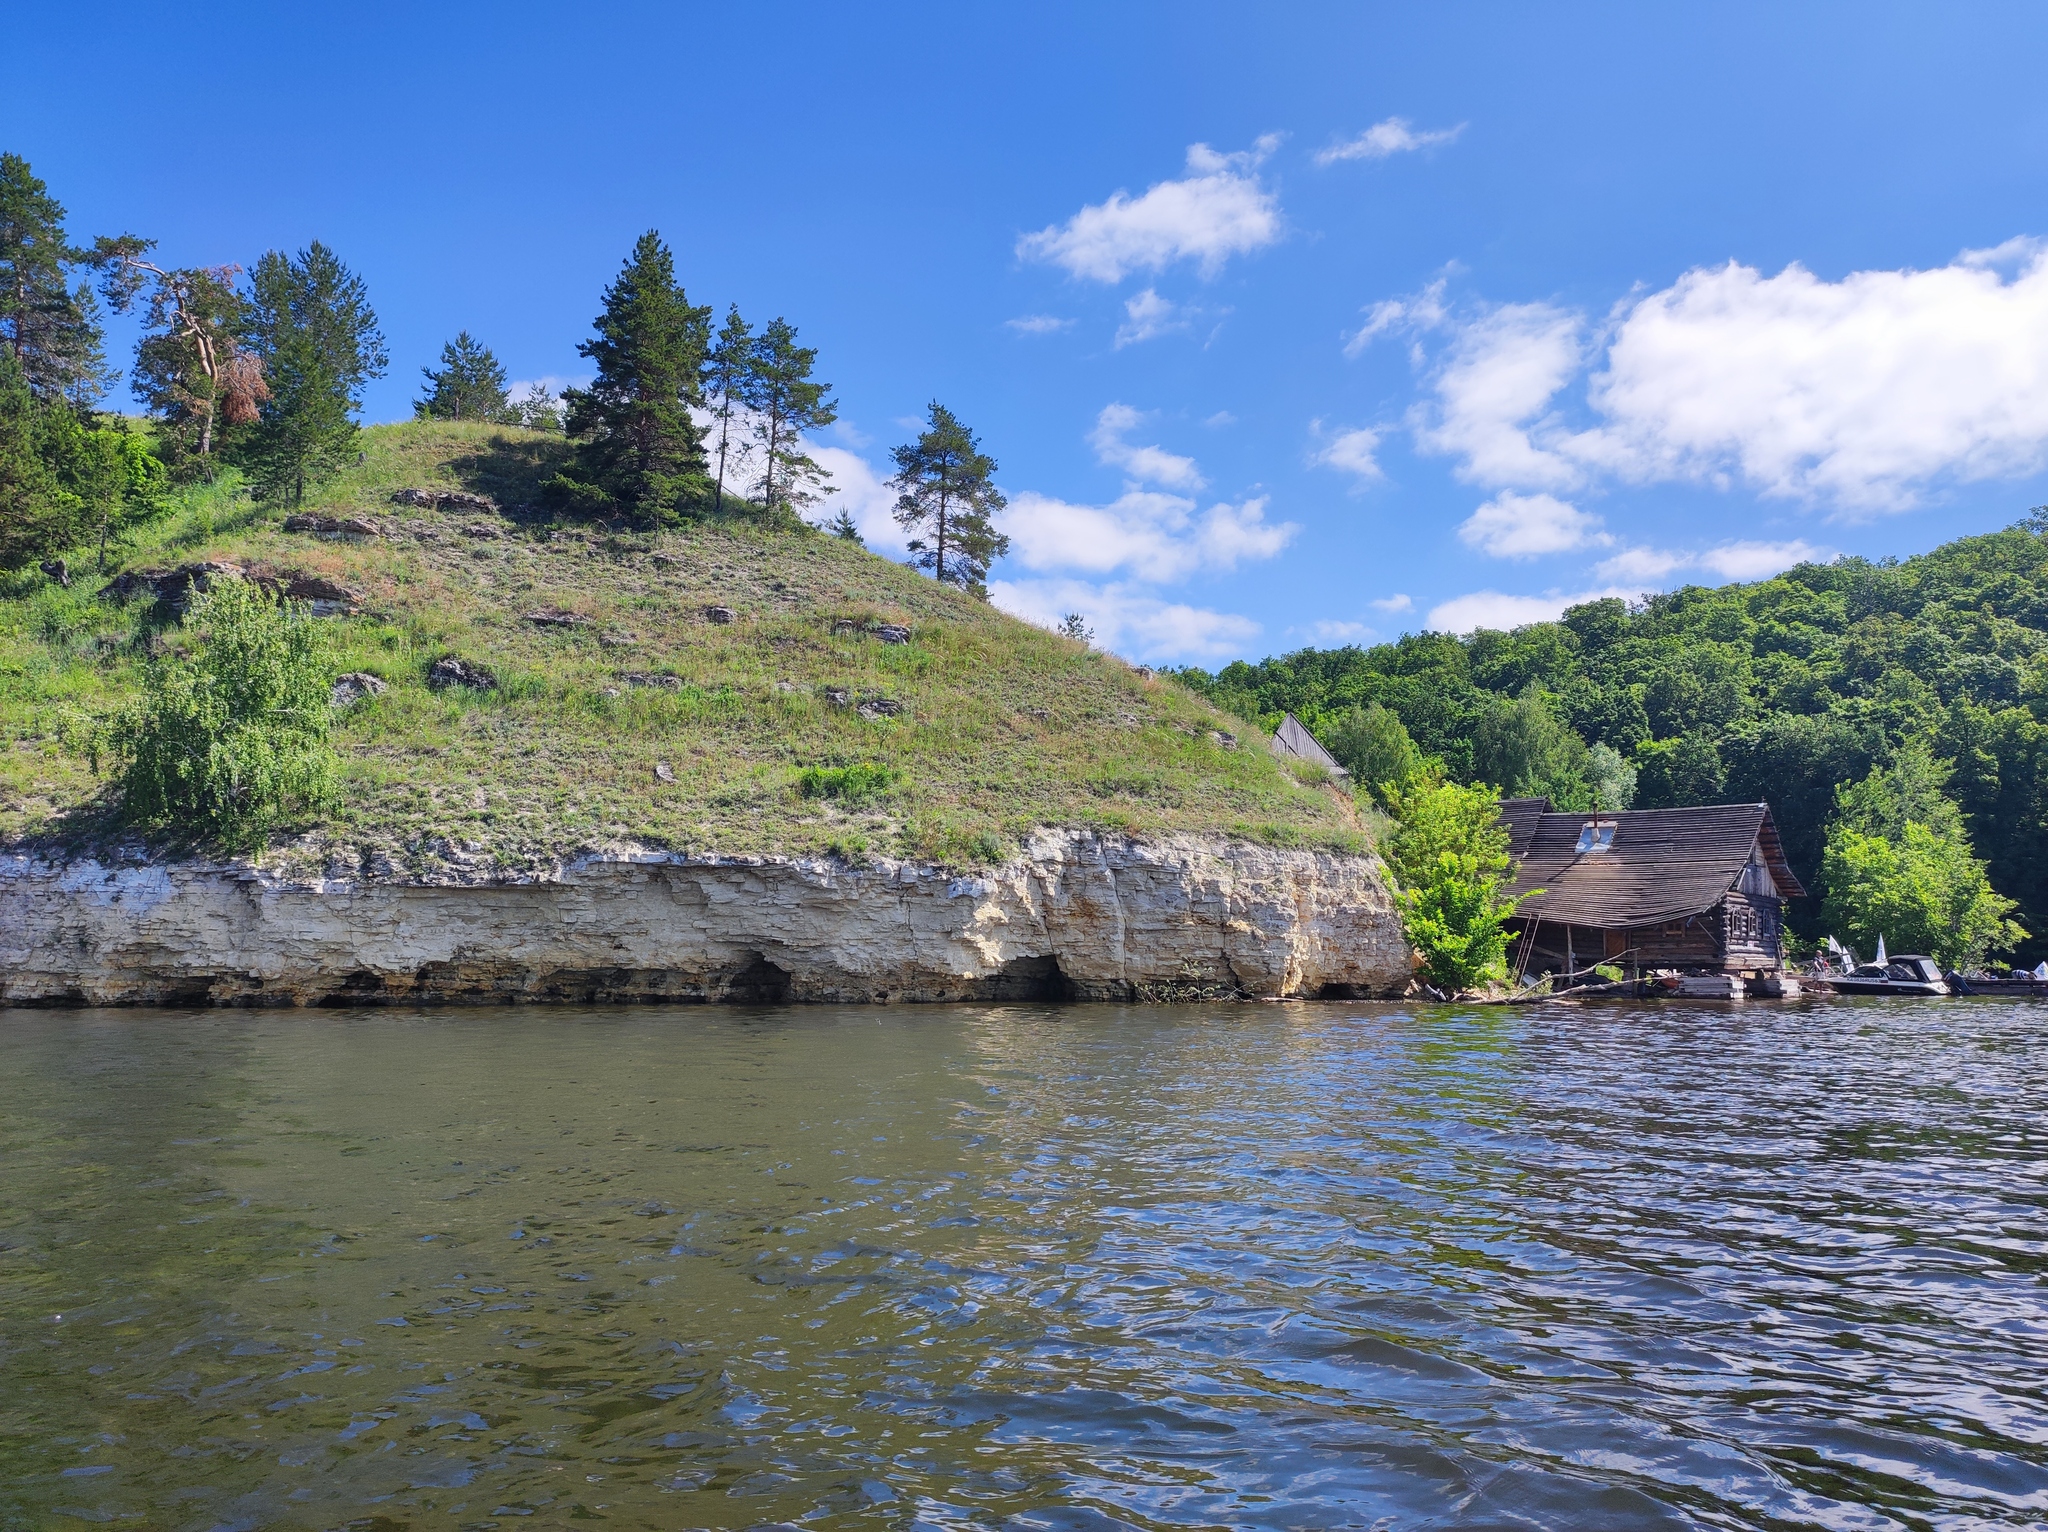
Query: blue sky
x,y
1288,324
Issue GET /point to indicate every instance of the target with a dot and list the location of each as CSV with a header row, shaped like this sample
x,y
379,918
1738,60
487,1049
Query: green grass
x,y
1000,727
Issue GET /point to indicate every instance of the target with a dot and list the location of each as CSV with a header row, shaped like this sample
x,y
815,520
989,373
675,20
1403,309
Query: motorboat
x,y
2018,981
1910,974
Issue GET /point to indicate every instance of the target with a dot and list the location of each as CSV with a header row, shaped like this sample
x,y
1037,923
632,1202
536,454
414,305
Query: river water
x,y
1238,1266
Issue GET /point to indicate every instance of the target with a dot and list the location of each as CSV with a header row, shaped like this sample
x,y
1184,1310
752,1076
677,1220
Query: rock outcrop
x,y
1074,915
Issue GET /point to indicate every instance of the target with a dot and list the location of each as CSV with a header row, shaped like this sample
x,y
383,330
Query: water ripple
x,y
1301,1266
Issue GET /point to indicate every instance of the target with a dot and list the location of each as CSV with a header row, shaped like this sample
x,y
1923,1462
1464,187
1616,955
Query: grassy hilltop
x,y
645,719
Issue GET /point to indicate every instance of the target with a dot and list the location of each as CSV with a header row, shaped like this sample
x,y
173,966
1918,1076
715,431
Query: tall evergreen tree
x,y
639,452
192,371
946,494
786,402
311,324
38,515
51,328
469,385
727,370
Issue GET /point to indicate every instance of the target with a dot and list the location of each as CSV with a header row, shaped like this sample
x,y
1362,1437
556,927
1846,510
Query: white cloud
x,y
1418,311
1512,526
1757,561
1038,324
1145,316
850,433
858,488
1631,571
1493,609
1351,452
1396,135
1219,209
1154,536
1128,619
1864,394
1152,465
1395,603
1220,419
1858,392
1645,564
1494,393
1743,560
1343,632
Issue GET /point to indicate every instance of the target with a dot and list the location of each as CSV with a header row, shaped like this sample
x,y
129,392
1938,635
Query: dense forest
x,y
1784,691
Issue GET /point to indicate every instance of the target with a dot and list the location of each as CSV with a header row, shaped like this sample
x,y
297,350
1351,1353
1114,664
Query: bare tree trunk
x,y
724,424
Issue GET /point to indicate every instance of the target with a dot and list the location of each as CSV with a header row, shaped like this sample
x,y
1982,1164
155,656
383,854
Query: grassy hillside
x,y
645,720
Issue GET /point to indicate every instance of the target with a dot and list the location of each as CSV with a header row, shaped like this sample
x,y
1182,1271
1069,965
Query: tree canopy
x,y
311,325
50,327
1776,690
468,385
639,453
946,494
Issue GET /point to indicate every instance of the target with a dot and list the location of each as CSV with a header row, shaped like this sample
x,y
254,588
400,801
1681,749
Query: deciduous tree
x,y
1899,864
1449,858
233,739
1373,745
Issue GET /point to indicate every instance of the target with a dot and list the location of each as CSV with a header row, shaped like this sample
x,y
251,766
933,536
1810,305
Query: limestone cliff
x,y
1074,915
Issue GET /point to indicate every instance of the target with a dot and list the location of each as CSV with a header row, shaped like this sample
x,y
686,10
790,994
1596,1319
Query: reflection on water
x,y
1279,1266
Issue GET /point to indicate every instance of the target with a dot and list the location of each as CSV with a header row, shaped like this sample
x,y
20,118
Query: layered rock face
x,y
1076,915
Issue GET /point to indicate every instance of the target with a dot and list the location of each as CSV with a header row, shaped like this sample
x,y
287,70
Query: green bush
x,y
851,785
1449,858
232,739
1455,919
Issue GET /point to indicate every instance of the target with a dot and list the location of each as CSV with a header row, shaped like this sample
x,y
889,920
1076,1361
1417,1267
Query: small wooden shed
x,y
1700,889
1292,742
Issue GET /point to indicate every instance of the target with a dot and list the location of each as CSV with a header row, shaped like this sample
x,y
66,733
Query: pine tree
x,y
639,451
38,516
311,324
787,402
470,385
51,328
726,371
845,528
945,493
537,409
192,372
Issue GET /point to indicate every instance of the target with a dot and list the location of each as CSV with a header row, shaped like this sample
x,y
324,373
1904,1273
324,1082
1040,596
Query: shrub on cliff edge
x,y
233,738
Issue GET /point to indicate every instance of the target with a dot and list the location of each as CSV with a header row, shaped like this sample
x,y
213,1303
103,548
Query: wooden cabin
x,y
1700,889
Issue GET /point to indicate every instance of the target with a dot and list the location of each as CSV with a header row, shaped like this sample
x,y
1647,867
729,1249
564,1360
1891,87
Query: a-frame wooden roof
x,y
1291,740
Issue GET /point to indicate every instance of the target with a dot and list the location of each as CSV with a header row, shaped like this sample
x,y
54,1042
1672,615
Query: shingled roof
x,y
1521,816
1663,864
